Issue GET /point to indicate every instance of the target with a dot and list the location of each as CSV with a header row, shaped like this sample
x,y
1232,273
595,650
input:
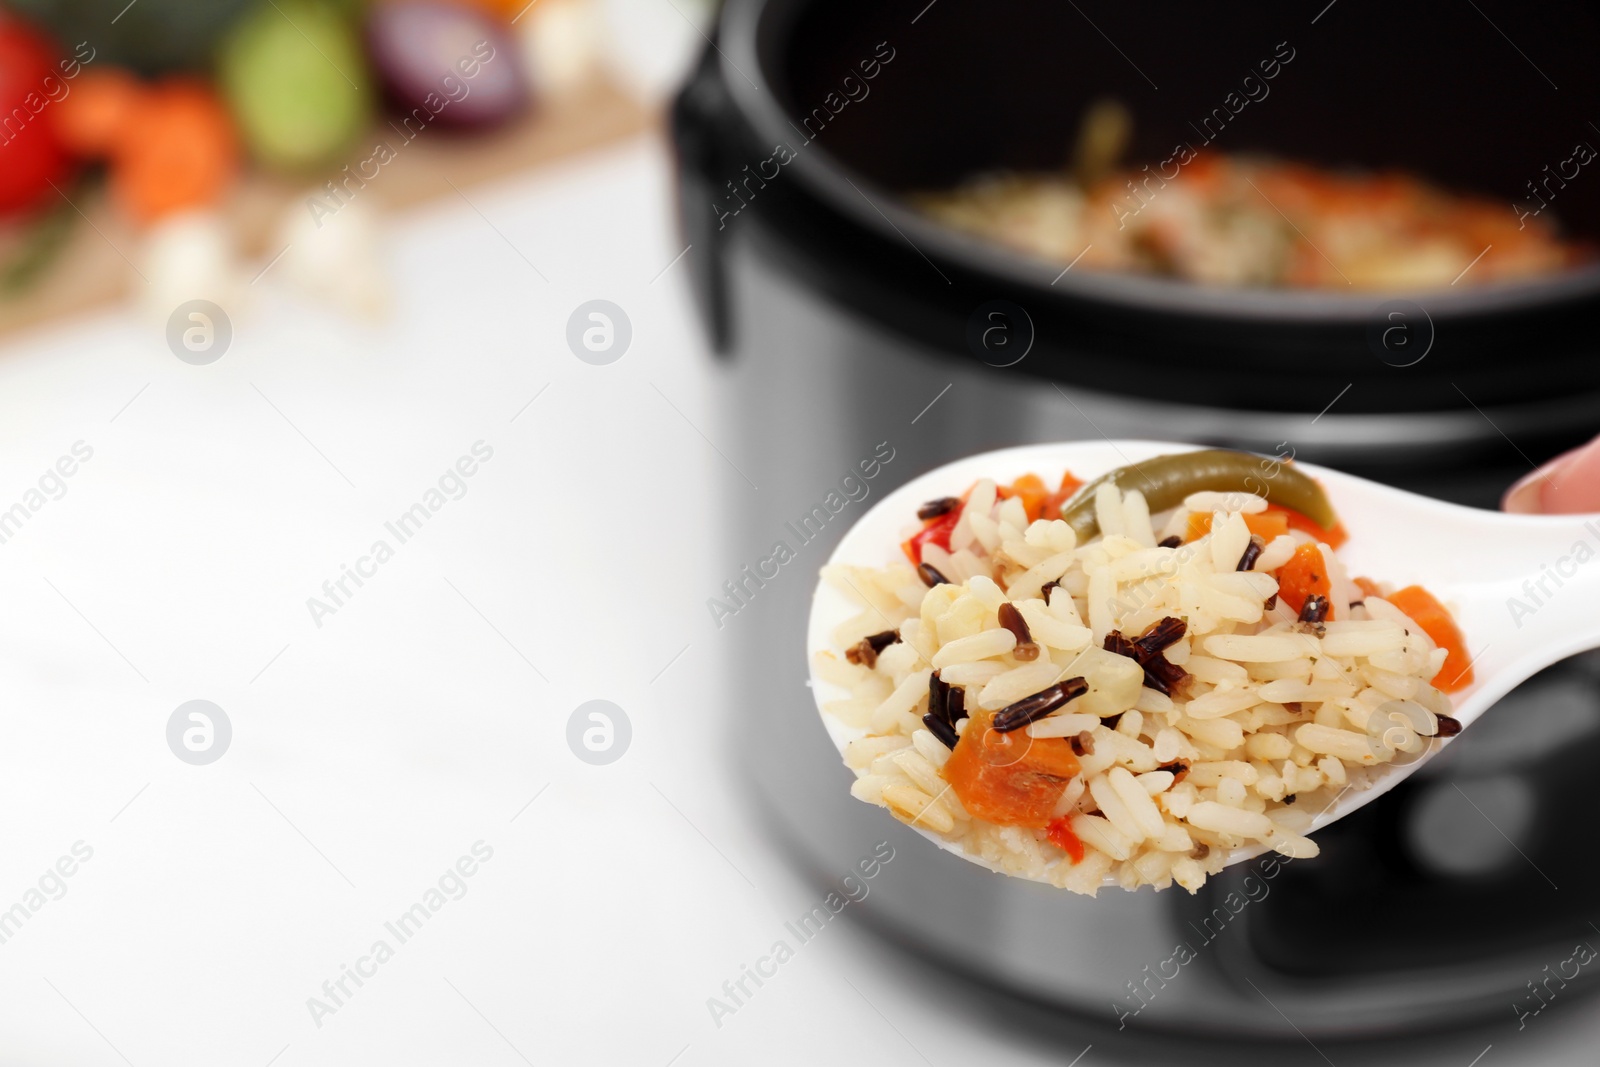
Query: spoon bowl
x,y
1524,589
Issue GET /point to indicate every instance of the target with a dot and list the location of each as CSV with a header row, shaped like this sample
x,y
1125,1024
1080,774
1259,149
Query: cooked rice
x,y
1273,709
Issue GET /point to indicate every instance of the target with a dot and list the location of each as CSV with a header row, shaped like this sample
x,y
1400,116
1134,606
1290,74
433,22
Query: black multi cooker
x,y
845,322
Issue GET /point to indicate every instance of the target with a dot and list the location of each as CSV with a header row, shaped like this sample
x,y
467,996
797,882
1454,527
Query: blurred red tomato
x,y
31,154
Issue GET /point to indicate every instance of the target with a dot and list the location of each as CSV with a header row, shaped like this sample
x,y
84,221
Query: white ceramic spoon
x,y
1524,589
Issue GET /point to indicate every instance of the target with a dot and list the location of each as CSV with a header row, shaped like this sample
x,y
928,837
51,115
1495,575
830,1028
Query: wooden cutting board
x,y
94,267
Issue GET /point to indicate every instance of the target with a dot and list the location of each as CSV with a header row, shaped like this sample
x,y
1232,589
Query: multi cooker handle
x,y
699,114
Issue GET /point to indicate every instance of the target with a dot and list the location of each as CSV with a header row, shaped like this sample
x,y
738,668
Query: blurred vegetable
x,y
44,237
1070,484
189,255
502,9
150,36
98,111
31,153
1102,139
176,150
562,44
443,64
342,265
293,73
1030,487
935,531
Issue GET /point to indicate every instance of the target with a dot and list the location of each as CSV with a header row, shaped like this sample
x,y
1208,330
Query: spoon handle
x,y
1536,598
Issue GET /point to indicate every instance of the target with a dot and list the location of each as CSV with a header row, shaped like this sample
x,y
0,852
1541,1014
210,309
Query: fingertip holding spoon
x,y
1523,589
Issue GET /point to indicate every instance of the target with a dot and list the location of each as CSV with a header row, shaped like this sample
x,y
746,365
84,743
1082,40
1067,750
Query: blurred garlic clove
x,y
561,45
190,256
650,47
329,251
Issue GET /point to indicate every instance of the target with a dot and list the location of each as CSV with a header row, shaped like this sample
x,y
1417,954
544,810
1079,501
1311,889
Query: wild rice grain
x,y
1031,708
941,729
1159,673
938,697
862,653
1115,642
1315,609
1252,552
956,706
1448,726
865,652
934,508
1012,620
1162,636
930,575
1170,542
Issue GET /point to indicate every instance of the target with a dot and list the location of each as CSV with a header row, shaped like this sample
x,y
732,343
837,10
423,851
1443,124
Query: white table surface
x,y
372,752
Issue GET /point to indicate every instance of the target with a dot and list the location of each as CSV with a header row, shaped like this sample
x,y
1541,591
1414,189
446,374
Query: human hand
x,y
1566,485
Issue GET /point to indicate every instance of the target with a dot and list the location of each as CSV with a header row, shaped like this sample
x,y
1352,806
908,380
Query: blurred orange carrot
x,y
1069,486
92,118
178,150
504,9
1031,488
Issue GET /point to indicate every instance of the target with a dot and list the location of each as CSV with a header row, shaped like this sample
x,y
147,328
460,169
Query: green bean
x,y
1166,480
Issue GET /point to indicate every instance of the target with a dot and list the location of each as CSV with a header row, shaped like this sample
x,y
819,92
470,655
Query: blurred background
x,y
394,398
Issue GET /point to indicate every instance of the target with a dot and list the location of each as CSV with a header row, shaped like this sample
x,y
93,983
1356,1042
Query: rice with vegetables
x,y
1242,221
1131,678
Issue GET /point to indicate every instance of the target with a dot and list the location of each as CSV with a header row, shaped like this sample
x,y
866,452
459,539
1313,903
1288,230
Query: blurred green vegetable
x,y
150,36
43,238
294,75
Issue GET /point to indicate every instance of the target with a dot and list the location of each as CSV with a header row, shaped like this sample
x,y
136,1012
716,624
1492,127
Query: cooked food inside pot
x,y
1129,679
1243,220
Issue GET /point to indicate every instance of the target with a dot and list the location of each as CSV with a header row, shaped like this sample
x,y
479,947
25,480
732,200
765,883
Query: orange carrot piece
x,y
1303,576
1069,486
1435,620
1009,778
1030,487
1368,586
180,151
94,117
1266,526
1334,536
